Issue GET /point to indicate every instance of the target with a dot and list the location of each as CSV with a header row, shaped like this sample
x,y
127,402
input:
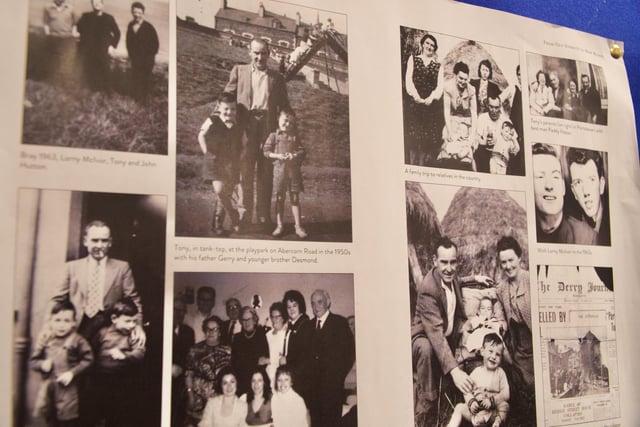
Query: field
x,y
204,62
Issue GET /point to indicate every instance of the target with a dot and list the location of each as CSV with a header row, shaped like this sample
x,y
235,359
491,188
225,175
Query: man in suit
x,y
96,282
557,88
333,356
205,302
590,98
142,47
233,325
435,332
264,94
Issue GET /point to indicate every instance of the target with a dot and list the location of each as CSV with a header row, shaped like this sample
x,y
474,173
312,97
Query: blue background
x,y
613,19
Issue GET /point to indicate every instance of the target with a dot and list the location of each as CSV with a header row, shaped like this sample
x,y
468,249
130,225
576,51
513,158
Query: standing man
x,y
264,94
590,98
557,89
99,34
142,46
333,355
205,301
435,330
552,225
588,185
96,282
59,21
231,326
489,127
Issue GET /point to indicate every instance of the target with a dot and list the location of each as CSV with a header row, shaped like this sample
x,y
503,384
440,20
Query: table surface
x,y
613,19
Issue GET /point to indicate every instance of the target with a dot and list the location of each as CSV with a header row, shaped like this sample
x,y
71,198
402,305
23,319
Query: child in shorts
x,y
505,148
61,355
220,140
487,404
285,148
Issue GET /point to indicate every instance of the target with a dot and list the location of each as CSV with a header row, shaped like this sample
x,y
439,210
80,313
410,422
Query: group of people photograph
x,y
462,104
469,283
92,324
108,61
581,215
567,89
262,363
272,147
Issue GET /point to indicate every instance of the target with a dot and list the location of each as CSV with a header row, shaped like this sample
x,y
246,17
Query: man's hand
x,y
65,378
283,360
46,366
463,382
117,354
138,337
485,280
176,370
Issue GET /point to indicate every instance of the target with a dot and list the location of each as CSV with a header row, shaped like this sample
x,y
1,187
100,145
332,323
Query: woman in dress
x,y
204,361
275,338
484,85
541,96
259,399
298,342
423,83
225,409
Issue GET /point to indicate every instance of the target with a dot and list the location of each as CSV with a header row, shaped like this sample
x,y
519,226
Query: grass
x,y
62,113
204,63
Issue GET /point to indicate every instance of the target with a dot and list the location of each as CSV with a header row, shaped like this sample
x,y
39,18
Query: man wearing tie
x,y
233,325
264,94
333,355
96,282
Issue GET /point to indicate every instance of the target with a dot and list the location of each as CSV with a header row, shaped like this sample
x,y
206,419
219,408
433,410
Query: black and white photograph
x,y
578,344
567,89
262,122
571,195
461,104
263,349
97,75
88,303
470,302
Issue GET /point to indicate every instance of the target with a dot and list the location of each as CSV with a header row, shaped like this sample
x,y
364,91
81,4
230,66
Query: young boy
x,y
285,148
61,355
113,385
488,404
220,140
505,148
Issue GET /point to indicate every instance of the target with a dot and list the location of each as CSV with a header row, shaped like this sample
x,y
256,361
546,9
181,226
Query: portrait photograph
x,y
262,122
470,306
461,104
89,303
567,89
97,75
277,347
571,195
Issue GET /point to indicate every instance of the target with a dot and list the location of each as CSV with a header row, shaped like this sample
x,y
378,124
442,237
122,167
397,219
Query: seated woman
x,y
225,409
288,407
259,399
541,99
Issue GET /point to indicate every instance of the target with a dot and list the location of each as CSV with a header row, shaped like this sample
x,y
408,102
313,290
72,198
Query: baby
x,y
475,329
488,404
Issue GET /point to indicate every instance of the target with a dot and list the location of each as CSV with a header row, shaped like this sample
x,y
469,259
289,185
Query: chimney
x,y
224,4
298,18
261,10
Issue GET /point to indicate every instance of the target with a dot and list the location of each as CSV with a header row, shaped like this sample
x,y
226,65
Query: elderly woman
x,y
225,409
483,85
298,343
204,361
259,399
423,83
541,99
249,348
513,307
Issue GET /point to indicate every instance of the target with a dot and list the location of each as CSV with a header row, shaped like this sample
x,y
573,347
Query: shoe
x,y
278,231
218,220
300,232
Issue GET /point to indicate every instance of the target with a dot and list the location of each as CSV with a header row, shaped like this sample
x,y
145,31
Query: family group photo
x,y
461,104
263,349
470,306
571,195
97,75
567,89
262,122
89,298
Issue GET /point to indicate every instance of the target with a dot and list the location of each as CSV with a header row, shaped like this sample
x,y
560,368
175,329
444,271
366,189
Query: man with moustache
x,y
588,185
552,225
99,34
